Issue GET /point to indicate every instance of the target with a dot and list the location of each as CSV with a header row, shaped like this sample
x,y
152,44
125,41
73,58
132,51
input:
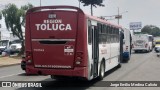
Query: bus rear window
x,y
52,42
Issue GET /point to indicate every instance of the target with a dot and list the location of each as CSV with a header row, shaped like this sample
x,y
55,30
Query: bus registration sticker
x,y
68,50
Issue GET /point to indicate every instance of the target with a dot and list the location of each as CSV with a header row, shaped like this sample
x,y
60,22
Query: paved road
x,y
141,67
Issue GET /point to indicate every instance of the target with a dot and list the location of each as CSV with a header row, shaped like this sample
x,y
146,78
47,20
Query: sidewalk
x,y
9,61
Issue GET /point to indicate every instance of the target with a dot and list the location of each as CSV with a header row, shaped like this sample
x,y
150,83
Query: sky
x,y
145,11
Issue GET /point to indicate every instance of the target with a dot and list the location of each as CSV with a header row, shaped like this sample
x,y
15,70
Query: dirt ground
x,y
10,60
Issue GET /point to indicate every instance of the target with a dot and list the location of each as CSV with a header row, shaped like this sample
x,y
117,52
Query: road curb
x,y
9,65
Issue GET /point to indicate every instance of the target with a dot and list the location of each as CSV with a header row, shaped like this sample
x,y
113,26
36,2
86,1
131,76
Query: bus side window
x,y
99,27
89,32
10,43
111,35
108,34
122,36
117,35
105,35
114,35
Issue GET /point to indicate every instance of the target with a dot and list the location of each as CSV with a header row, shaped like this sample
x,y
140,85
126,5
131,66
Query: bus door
x,y
121,45
95,49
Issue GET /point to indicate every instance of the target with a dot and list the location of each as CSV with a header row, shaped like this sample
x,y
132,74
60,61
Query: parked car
x,y
157,46
4,44
15,46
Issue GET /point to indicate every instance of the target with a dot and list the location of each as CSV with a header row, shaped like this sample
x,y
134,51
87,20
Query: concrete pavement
x,y
141,67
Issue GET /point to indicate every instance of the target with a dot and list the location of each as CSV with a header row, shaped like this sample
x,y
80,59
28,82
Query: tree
x,y
15,19
151,29
0,15
93,3
0,19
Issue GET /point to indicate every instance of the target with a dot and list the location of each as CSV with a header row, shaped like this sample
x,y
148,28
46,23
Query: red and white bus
x,y
63,41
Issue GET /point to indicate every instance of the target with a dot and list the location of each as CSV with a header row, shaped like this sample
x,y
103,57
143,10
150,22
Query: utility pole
x,y
79,4
118,16
40,3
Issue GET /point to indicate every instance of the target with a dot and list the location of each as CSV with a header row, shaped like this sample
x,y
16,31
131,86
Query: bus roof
x,y
43,8
58,7
103,21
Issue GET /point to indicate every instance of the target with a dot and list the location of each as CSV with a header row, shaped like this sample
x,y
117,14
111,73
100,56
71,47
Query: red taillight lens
x,y
146,45
126,47
79,57
28,57
132,46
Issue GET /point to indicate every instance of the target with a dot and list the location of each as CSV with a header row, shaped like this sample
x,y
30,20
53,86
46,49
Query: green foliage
x,y
151,29
15,19
23,12
94,3
12,18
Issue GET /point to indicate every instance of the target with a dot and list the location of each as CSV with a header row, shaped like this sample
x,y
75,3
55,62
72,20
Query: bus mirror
x,y
94,23
122,35
10,43
123,41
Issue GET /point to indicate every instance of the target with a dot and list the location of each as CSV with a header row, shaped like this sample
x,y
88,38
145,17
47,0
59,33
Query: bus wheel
x,y
136,51
119,65
102,71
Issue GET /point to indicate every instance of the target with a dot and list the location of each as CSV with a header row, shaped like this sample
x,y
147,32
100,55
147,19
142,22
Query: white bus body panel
x,y
126,44
142,42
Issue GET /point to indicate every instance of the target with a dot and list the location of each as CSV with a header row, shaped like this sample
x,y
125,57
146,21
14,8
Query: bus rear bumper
x,y
140,49
76,72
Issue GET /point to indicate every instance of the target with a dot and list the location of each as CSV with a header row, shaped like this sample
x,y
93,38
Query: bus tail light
x,y
28,57
78,62
146,45
132,46
79,57
126,47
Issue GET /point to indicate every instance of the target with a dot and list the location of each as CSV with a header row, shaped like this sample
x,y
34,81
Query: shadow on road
x,y
24,74
69,83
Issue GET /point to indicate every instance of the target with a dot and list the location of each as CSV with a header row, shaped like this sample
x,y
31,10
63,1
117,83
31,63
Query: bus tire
x,y
119,65
23,65
102,71
136,51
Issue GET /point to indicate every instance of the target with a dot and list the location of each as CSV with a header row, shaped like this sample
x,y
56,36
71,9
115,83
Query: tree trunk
x,y
91,10
22,49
